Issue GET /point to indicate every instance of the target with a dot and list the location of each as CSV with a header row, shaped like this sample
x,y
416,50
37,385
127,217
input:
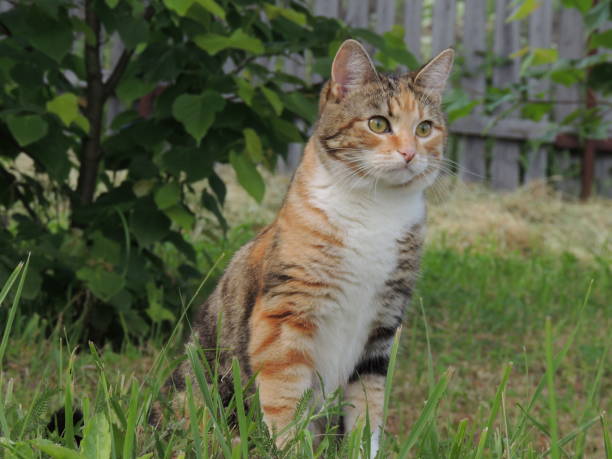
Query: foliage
x,y
105,198
593,72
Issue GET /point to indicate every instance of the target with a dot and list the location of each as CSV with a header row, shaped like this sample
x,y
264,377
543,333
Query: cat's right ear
x,y
352,68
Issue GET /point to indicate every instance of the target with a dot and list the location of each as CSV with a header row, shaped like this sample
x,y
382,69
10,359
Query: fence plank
x,y
329,8
570,46
413,12
357,13
472,165
385,15
540,36
443,34
505,154
571,41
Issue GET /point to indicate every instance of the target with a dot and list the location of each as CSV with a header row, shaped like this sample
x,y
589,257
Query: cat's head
x,y
383,128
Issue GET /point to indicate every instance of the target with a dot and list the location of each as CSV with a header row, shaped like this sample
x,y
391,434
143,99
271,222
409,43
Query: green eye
x,y
423,129
379,124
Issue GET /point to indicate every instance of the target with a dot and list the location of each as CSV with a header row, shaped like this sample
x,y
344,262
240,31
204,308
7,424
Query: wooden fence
x,y
496,152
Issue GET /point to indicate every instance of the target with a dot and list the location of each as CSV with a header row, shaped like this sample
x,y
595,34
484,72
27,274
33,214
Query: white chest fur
x,y
371,223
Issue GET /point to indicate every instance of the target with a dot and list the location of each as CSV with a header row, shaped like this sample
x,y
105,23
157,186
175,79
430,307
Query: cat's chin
x,y
408,179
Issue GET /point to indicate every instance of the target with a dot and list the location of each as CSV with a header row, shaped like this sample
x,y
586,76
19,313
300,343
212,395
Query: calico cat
x,y
317,296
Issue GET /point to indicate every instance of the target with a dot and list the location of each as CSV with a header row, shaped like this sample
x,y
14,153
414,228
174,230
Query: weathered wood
x,y
413,11
473,150
357,13
385,15
329,8
506,128
570,46
505,155
603,176
443,34
540,36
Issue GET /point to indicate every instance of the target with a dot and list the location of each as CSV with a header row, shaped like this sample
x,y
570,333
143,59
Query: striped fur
x,y
319,293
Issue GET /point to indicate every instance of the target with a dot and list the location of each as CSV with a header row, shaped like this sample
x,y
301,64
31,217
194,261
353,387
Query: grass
x,y
504,353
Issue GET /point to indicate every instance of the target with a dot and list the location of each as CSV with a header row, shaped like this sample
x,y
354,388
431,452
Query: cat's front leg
x,y
280,352
365,396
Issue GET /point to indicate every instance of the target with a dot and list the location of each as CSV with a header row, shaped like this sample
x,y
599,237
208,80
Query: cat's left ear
x,y
352,68
431,79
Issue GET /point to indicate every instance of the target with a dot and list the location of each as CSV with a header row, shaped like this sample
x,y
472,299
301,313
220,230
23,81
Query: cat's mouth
x,y
408,177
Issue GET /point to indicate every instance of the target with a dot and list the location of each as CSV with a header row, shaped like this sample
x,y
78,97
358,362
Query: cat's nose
x,y
408,154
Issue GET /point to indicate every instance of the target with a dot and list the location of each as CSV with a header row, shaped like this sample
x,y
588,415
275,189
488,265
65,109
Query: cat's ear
x,y
352,68
432,77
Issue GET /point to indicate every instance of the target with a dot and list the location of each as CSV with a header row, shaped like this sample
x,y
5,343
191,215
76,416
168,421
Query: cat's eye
x,y
379,124
423,129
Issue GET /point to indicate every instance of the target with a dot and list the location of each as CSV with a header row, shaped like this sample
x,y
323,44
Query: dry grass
x,y
532,218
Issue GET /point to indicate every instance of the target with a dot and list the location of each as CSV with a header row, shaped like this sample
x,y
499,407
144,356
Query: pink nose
x,y
407,154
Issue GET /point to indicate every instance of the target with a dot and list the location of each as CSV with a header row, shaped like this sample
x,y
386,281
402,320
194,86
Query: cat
x,y
317,296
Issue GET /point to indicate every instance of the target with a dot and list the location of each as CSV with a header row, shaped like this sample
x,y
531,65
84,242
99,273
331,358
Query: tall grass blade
x,y
68,409
426,415
570,436
242,420
198,371
193,420
13,310
494,410
130,431
557,361
389,380
590,402
458,440
606,435
552,400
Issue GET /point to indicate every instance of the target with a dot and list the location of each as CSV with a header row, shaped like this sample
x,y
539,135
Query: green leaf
x,y
156,310
567,76
54,38
212,7
96,443
273,11
56,451
582,5
168,195
539,56
298,103
253,145
536,111
82,122
27,129
197,112
66,106
524,9
143,187
248,175
181,7
105,249
601,40
112,3
148,223
131,89
246,91
181,216
273,99
133,30
212,43
102,283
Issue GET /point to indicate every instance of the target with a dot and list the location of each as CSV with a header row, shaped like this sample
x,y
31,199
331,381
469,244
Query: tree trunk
x,y
91,154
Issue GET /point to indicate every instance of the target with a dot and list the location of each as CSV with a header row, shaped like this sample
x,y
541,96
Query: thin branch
x,y
117,73
113,80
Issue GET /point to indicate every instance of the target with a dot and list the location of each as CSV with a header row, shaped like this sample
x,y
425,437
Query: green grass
x,y
501,356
